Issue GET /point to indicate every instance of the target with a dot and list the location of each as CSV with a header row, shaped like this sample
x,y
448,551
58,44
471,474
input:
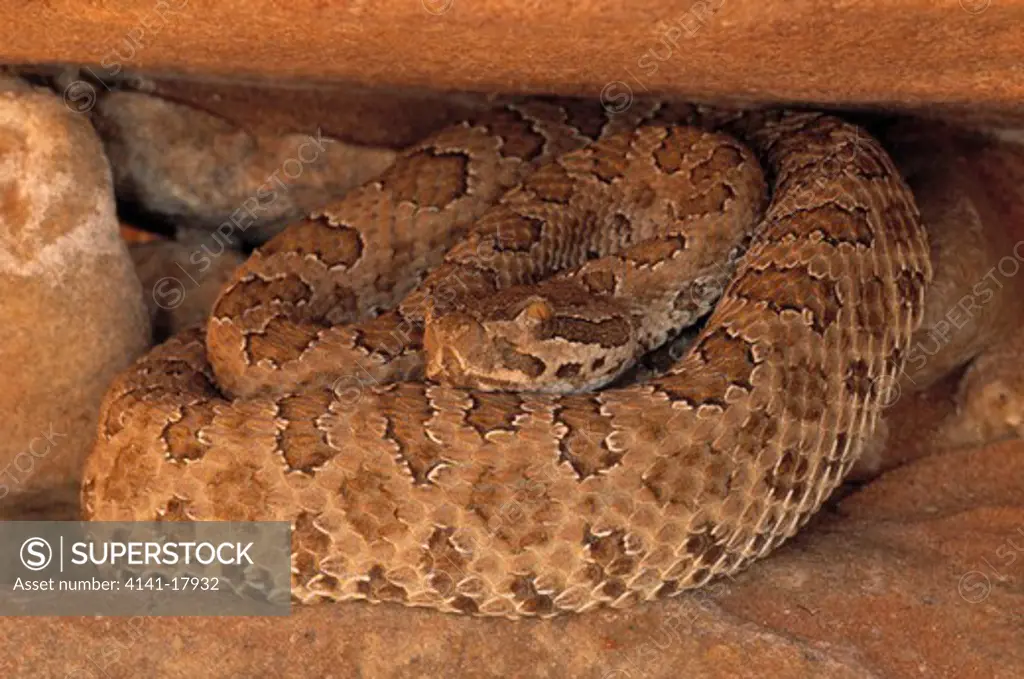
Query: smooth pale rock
x,y
70,303
182,279
193,167
9,82
358,115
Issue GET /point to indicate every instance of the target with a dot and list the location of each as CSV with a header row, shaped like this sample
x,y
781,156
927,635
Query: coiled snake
x,y
417,477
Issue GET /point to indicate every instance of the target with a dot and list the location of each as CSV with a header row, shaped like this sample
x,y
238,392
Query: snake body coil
x,y
304,399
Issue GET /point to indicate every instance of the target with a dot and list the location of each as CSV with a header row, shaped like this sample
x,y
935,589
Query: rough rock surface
x,y
181,280
190,166
850,52
70,303
968,186
356,115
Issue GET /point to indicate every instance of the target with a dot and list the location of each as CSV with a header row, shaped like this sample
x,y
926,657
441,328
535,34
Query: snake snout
x,y
447,341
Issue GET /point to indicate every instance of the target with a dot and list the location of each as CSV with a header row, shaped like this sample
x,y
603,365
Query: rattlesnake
x,y
521,503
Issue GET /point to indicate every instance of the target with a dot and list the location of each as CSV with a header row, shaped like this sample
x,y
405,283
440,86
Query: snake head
x,y
548,338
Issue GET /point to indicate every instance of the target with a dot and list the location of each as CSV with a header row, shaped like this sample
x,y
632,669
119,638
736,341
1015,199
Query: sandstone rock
x,y
182,280
11,83
70,302
856,52
990,398
133,235
356,115
967,184
190,166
